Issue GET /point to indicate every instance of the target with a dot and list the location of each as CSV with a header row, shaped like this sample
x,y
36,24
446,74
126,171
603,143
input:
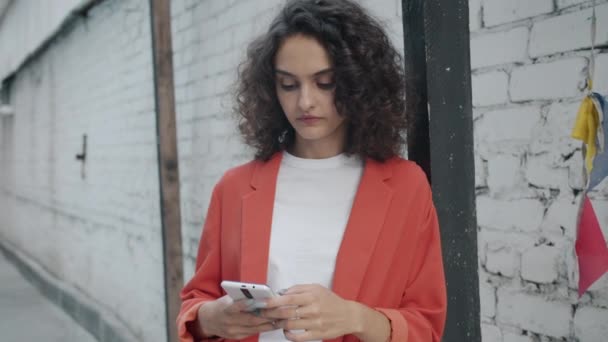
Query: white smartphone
x,y
239,291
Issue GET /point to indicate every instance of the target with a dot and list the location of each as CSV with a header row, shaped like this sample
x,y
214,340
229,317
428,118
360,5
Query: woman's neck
x,y
315,149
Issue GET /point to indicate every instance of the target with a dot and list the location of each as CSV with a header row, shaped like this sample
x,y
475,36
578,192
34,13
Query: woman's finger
x,y
247,320
262,328
302,288
300,299
240,306
289,312
297,324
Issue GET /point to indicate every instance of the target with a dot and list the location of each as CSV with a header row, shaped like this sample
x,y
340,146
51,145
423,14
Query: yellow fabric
x,y
585,129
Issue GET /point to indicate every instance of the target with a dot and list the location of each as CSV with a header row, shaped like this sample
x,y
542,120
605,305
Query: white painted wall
x,y
100,234
26,25
529,61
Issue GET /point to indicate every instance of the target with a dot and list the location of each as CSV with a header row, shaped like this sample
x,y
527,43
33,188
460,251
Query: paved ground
x,y
26,315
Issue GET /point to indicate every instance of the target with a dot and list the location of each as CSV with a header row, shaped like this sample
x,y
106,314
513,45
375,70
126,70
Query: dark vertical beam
x,y
418,144
448,88
452,160
168,160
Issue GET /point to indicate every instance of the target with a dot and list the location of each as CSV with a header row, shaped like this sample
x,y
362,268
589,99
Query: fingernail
x,y
250,302
282,291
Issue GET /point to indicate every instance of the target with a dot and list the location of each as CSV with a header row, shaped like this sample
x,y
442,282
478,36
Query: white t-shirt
x,y
312,205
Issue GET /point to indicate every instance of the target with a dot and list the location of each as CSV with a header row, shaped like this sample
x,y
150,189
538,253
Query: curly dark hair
x,y
370,90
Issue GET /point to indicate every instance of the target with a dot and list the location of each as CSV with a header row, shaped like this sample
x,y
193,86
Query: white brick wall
x,y
590,324
546,81
600,82
101,234
532,312
499,47
574,29
488,305
529,62
33,23
490,333
539,264
490,88
499,11
515,337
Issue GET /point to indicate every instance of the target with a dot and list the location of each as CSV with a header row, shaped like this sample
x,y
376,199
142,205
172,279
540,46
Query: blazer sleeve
x,y
204,285
422,313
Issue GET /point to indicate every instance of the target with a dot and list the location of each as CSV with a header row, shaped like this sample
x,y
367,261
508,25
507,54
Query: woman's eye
x,y
326,85
288,87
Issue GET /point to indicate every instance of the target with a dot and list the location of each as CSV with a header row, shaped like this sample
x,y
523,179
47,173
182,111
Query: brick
x,y
590,324
504,174
600,79
561,216
513,337
384,10
524,214
500,47
541,172
490,88
497,12
480,171
568,3
544,81
600,206
576,174
571,267
241,35
475,20
553,136
490,333
507,125
492,240
599,292
487,300
502,260
568,32
218,43
533,313
540,264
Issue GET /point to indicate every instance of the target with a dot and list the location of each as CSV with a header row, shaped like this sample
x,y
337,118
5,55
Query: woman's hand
x,y
228,319
315,309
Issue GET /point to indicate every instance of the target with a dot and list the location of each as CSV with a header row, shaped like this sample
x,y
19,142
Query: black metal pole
x,y
414,55
446,64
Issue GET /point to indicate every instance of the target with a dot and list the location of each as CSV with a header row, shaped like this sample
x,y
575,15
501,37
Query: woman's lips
x,y
309,120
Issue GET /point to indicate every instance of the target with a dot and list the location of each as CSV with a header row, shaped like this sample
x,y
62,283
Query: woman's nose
x,y
306,101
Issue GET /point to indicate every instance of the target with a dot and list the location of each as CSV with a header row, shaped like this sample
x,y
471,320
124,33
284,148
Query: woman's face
x,y
306,89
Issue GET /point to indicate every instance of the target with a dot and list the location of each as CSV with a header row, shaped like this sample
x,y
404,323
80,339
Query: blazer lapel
x,y
364,225
256,221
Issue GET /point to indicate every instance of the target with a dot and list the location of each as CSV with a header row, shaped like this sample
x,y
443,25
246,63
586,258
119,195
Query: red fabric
x,y
390,257
591,248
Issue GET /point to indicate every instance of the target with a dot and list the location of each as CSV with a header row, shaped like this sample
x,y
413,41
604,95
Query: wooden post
x,y
168,160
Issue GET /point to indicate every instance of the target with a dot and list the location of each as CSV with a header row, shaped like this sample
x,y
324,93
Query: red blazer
x,y
389,259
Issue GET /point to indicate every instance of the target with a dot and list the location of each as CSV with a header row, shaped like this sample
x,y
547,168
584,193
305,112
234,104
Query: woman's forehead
x,y
302,56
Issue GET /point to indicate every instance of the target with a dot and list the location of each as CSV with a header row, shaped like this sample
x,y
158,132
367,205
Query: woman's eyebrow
x,y
318,73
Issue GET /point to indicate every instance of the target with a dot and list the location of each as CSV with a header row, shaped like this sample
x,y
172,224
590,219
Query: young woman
x,y
327,210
